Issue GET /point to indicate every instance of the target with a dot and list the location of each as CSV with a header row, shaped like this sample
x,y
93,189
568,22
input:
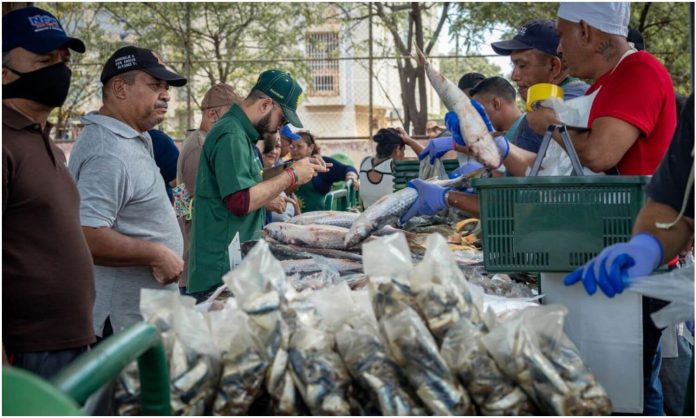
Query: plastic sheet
x,y
676,287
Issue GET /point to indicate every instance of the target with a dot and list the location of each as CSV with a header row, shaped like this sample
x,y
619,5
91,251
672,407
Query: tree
x,y
665,28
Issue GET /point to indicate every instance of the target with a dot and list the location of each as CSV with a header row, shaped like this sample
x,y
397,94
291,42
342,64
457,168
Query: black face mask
x,y
48,85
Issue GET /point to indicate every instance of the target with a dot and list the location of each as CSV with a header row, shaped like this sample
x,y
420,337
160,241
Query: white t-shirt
x,y
370,191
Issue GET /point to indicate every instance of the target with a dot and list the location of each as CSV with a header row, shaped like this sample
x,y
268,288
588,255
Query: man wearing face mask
x,y
48,278
216,102
125,213
232,189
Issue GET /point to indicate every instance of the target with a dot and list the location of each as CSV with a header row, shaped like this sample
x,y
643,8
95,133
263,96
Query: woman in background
x,y
377,173
284,207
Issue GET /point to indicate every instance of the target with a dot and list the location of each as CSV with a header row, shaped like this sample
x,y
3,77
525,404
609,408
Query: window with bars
x,y
325,73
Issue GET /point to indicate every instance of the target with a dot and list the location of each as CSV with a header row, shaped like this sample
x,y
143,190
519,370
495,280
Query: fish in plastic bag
x,y
492,391
244,362
415,350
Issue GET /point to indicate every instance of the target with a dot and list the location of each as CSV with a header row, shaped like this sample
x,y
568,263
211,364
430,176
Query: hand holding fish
x,y
431,199
452,122
464,170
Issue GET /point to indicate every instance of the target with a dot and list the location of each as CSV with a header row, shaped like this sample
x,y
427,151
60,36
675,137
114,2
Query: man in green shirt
x,y
232,187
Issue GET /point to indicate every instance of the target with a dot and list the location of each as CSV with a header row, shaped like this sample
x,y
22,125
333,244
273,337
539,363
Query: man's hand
x,y
464,170
167,266
540,119
307,168
611,269
277,205
436,148
353,179
431,199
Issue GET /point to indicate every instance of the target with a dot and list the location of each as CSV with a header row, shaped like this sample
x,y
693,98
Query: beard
x,y
264,126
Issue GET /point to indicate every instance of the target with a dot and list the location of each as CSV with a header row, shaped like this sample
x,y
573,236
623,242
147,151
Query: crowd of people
x,y
128,211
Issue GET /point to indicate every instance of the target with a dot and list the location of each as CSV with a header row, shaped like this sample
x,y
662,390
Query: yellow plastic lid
x,y
542,91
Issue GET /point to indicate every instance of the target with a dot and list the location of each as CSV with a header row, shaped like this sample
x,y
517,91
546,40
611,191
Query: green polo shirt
x,y
229,163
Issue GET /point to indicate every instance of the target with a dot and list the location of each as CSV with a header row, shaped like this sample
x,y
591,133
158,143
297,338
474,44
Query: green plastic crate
x,y
555,224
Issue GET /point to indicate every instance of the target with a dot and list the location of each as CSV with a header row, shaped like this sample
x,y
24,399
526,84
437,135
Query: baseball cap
x,y
36,30
131,58
220,94
636,38
284,90
535,34
288,133
610,17
469,80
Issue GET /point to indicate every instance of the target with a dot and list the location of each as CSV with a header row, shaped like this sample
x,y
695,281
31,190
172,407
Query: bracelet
x,y
293,176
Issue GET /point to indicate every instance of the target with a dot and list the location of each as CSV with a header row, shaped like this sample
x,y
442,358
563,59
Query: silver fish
x,y
242,376
316,236
318,264
389,208
472,127
325,217
490,389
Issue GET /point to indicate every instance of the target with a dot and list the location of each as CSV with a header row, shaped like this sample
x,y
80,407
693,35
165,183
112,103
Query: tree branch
x,y
644,16
440,24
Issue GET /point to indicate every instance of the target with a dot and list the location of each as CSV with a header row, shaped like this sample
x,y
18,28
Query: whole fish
x,y
315,236
318,264
472,127
325,217
389,208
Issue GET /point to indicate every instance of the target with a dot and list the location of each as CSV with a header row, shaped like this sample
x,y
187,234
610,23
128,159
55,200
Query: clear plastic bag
x,y
427,171
415,350
244,362
676,287
490,389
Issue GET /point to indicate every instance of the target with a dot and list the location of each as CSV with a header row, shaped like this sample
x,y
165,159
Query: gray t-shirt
x,y
121,188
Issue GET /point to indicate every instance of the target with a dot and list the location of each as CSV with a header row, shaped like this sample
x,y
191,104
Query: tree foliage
x,y
665,28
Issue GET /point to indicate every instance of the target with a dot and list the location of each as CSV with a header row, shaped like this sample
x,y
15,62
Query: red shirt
x,y
639,91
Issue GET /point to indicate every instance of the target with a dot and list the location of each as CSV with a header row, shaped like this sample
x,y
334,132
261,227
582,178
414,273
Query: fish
x,y
325,217
492,391
242,376
315,236
319,264
478,139
389,208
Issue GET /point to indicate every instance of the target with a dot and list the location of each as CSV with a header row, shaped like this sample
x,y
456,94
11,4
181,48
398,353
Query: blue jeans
x,y
47,363
653,400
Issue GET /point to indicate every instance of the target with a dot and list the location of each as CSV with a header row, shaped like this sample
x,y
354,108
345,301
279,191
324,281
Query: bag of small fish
x,y
414,342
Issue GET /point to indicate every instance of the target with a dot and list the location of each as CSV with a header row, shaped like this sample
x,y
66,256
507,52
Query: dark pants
x,y
203,295
653,403
47,363
674,376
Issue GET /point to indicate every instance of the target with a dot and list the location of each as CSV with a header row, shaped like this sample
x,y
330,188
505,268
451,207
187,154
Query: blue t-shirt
x,y
525,137
324,181
166,156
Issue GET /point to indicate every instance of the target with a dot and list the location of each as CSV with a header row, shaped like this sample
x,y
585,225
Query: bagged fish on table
x,y
389,208
492,391
244,362
590,398
318,264
443,294
473,129
366,357
315,236
416,352
325,217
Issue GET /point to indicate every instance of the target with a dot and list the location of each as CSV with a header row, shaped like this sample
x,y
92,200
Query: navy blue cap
x,y
535,34
130,58
37,31
287,133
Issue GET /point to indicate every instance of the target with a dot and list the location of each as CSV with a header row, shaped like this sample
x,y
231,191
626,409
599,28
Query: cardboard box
x,y
608,333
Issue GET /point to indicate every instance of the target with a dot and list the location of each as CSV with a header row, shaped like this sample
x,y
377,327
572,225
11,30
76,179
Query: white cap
x,y
609,18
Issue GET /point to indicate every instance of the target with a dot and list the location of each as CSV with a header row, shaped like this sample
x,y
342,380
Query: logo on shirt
x,y
43,22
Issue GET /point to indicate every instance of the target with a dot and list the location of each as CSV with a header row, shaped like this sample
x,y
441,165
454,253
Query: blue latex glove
x,y
464,170
431,199
452,122
436,148
612,268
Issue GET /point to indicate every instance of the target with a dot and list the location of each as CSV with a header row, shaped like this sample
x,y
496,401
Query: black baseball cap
x,y
470,80
535,34
131,58
36,30
636,38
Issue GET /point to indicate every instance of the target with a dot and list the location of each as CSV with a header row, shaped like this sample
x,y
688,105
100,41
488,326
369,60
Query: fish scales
x,y
316,236
471,125
325,217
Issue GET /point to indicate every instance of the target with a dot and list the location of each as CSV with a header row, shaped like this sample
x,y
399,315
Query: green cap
x,y
284,90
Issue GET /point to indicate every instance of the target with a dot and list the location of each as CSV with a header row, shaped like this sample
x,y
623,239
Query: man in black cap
x,y
125,213
48,279
469,81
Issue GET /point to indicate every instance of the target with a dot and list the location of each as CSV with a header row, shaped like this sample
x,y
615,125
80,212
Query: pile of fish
x,y
414,341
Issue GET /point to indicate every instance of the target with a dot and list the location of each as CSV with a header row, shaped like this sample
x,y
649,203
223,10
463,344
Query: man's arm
x,y
673,240
599,148
111,248
467,202
262,193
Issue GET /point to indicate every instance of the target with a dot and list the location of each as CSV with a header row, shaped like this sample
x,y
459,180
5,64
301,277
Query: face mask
x,y
48,86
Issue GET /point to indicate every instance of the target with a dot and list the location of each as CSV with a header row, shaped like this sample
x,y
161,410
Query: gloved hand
x,y
611,269
436,148
452,122
464,170
431,199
